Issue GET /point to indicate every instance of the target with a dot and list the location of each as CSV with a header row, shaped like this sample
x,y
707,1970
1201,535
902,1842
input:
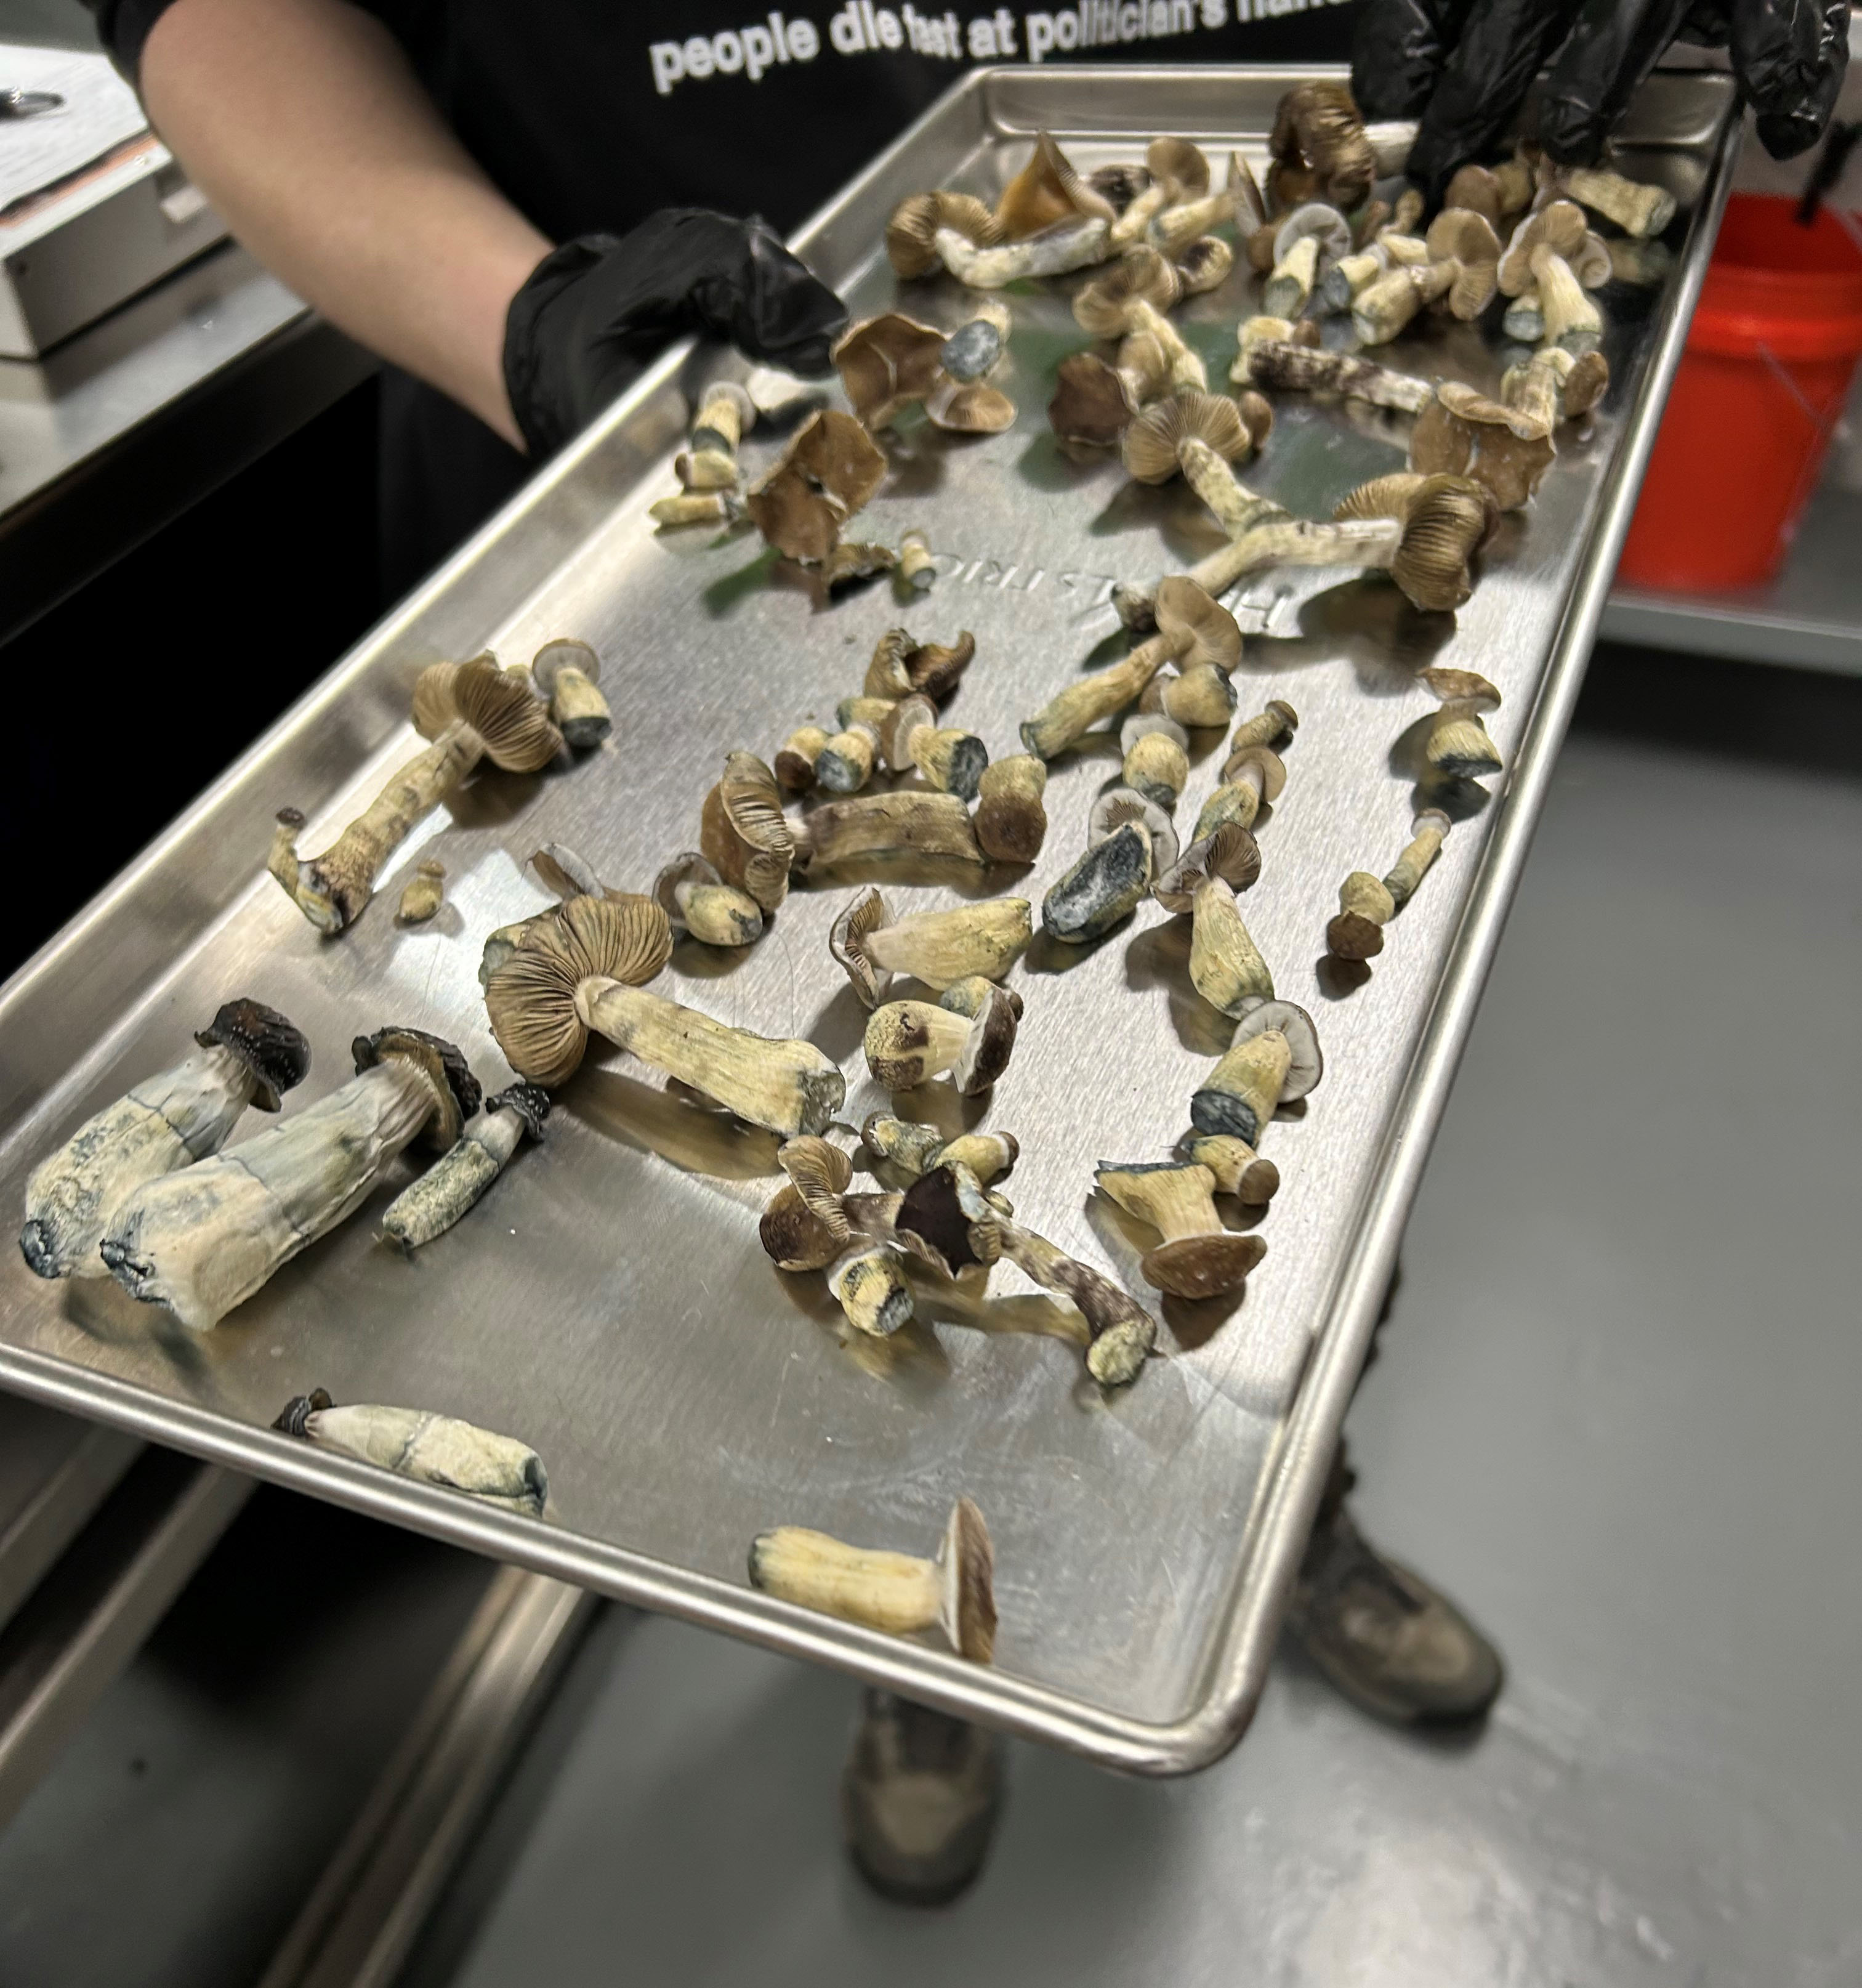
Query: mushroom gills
x,y
431,1449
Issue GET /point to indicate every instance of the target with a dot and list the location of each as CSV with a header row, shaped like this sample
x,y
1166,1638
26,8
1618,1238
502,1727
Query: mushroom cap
x,y
1475,189
1229,852
1387,496
566,872
820,1173
1184,609
911,233
528,1100
901,665
910,714
993,1023
1308,1064
1183,164
567,653
1045,192
886,363
1204,264
1462,686
1352,935
1154,436
498,705
1463,433
1092,404
531,997
1236,1168
1448,520
1145,363
1318,125
974,349
1272,769
745,832
1591,262
451,1076
1203,1267
1257,413
1467,236
968,1559
970,406
1116,806
1141,724
794,1237
829,470
688,866
1326,225
1120,183
846,940
1142,274
1585,380
276,1052
1558,225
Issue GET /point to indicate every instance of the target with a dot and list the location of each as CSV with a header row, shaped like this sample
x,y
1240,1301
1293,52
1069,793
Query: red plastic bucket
x,y
1769,358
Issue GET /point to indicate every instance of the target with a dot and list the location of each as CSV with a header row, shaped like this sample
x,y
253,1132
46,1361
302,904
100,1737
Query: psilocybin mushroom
x,y
1366,903
1236,1168
424,894
247,1054
1198,1258
918,566
970,1032
1107,885
471,711
1306,244
1319,131
951,759
698,507
568,675
869,1285
203,1240
916,1150
1274,1059
911,233
870,945
1226,968
893,1592
1461,433
1094,403
904,823
453,1185
726,414
1200,434
1301,368
1157,757
696,900
902,666
434,1449
1251,775
1458,745
581,973
1011,821
744,834
829,470
888,362
1554,385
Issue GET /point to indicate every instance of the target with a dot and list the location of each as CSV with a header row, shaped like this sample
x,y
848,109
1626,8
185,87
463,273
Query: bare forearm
x,y
302,122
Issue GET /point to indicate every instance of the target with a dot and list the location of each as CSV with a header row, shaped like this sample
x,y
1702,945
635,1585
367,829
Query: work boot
x,y
919,1798
1384,1638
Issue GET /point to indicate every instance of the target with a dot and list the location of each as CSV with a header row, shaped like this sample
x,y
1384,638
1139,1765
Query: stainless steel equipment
x,y
609,1301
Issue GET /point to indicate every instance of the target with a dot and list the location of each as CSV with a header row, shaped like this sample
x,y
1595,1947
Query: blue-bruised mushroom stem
x,y
726,414
1554,386
1273,1060
1226,968
869,1285
917,568
1458,746
203,1241
248,1055
453,1185
1306,244
845,763
916,1150
1107,885
430,1449
951,760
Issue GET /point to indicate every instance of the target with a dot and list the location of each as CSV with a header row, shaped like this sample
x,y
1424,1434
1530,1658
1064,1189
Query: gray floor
x,y
1615,1414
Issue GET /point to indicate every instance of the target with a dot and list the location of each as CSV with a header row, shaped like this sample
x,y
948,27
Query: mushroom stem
x,y
917,569
1071,715
1240,1095
1429,833
941,947
1198,1257
1124,1332
1230,501
930,825
917,1150
1302,369
869,1285
1382,309
1637,207
787,1086
1226,968
435,1449
1572,319
698,507
454,1183
1237,1169
725,414
1273,727
425,892
1056,252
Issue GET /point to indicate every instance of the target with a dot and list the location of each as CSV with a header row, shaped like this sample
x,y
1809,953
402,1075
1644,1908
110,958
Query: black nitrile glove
x,y
1463,67
593,312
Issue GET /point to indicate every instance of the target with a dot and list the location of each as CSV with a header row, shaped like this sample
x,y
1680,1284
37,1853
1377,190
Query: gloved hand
x,y
593,312
1463,67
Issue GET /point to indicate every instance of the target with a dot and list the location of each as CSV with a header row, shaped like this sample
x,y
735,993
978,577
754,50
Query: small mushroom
x,y
582,971
911,233
1130,299
1201,698
1638,208
1350,275
1558,225
1300,368
951,760
806,1226
845,762
1175,171
1226,968
455,1181
726,414
1459,745
904,823
892,1592
1105,885
1643,264
1186,219
829,470
1011,822
1047,193
869,1283
1460,433
888,362
1274,725
567,675
1309,241
916,1150
1204,265
1192,628
1570,319
902,664
1157,757
249,1054
1117,805
1273,1060
424,894
432,1449
1464,254
471,711
1538,256
698,507
969,407
744,833
938,948
1591,265
970,1032
1253,774
1554,385
1497,192
696,900
203,1240
1318,130
1229,852
1048,221
917,569
1201,434
1441,522
1094,403
1198,1258
1468,241
795,764
1366,904
1237,1169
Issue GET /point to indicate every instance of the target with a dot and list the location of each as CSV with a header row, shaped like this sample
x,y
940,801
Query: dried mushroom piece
x,y
1496,193
1274,1059
1129,301
471,711
904,823
1459,745
902,666
870,945
1226,968
845,762
726,414
1094,403
698,902
1011,822
1198,1257
1366,903
1157,760
698,507
1186,221
425,892
203,1240
455,1181
1236,1168
1554,385
886,363
970,1034
1460,433
1539,257
1320,131
1374,257
912,232
895,1593
1175,171
1229,852
434,1449
581,972
1306,245
1200,434
744,833
568,674
1301,368
830,469
917,568
951,760
1048,193
247,1054
1107,885
1640,209
917,1150
1252,774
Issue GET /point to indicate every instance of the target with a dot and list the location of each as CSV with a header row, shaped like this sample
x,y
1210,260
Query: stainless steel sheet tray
x,y
609,1301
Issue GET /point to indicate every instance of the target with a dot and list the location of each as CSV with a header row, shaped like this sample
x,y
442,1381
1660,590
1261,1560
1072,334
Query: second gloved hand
x,y
593,312
1465,69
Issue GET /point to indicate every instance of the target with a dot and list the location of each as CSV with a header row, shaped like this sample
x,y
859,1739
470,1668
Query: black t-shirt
x,y
588,114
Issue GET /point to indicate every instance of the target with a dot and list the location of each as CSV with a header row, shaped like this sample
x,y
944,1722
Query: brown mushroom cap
x,y
1468,239
969,407
1462,433
1475,189
1154,436
911,233
886,363
1203,1267
1185,610
1045,192
445,1066
820,1173
498,705
794,1237
909,715
1559,225
531,998
1142,274
1319,144
745,832
1120,182
1585,382
846,941
1462,686
968,1559
829,470
1183,165
1091,405
1448,520
1229,852
1204,265
1272,769
902,664
277,1053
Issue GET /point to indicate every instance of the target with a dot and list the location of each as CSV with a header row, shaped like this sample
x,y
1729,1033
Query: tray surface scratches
x,y
608,1301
